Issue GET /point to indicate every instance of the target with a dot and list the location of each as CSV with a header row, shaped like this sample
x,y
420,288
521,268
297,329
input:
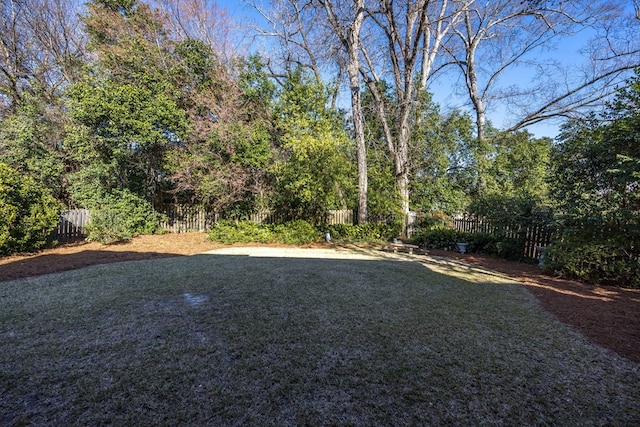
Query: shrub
x,y
28,213
482,243
440,237
296,232
229,232
368,232
293,232
121,216
609,261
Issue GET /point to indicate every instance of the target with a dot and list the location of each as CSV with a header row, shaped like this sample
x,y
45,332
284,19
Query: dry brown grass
x,y
329,338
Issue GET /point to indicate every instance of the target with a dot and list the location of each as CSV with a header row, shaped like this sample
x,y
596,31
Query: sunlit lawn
x,y
356,339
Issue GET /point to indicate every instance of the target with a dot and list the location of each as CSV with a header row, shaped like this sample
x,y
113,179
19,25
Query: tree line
x,y
123,106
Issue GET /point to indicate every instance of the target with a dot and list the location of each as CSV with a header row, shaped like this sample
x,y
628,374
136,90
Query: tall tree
x,y
125,111
41,49
223,162
412,34
347,21
313,173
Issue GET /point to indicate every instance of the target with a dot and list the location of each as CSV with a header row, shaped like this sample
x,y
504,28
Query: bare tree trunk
x,y
349,35
361,147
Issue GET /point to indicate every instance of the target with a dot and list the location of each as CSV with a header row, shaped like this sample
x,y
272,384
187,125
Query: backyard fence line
x,y
535,236
186,218
178,219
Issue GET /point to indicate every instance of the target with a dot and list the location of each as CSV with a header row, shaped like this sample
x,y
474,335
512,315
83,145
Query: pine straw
x,y
305,337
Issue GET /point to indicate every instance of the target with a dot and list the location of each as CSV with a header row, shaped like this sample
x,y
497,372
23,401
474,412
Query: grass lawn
x,y
308,338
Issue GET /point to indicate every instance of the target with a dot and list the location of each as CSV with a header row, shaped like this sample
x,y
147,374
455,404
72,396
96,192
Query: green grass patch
x,y
232,339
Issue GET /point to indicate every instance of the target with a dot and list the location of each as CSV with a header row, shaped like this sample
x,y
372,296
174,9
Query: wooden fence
x,y
535,236
178,219
71,225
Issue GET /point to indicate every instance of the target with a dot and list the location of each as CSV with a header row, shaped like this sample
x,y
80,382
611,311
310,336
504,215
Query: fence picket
x,y
535,235
178,219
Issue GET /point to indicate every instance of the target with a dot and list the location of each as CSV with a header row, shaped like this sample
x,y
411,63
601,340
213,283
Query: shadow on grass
x,y
53,263
608,316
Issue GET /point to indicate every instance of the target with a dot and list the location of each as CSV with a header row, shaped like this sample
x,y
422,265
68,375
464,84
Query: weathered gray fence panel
x,y
178,219
184,219
71,225
344,216
535,236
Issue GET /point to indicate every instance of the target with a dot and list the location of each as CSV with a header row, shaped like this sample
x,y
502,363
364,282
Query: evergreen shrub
x,y
607,261
296,232
368,232
440,237
120,217
28,214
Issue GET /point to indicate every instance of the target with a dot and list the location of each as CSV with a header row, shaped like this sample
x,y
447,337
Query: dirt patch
x,y
609,317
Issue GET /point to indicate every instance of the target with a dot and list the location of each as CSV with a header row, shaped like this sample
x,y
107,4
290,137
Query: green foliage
x,y
125,112
295,232
314,173
596,189
196,63
120,216
485,243
367,232
440,153
30,143
292,233
224,161
27,213
514,165
608,260
511,217
440,237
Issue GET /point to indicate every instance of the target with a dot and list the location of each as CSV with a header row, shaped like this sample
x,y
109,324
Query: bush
x,y
28,213
440,237
120,217
482,243
608,261
368,232
229,232
296,232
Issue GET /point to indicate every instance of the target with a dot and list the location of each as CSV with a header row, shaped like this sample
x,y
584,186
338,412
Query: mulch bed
x,y
608,316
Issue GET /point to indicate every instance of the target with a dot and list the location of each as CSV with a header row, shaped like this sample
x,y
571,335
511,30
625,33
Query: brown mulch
x,y
609,317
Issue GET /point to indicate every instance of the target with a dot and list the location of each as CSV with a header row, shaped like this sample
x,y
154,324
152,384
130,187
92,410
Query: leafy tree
x,y
28,213
31,142
120,135
223,162
439,152
442,167
125,111
516,164
313,173
596,188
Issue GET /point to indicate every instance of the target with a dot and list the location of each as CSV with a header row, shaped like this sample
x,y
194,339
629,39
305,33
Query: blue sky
x,y
445,88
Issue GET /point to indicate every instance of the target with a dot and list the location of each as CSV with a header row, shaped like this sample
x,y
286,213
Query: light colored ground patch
x,y
290,252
